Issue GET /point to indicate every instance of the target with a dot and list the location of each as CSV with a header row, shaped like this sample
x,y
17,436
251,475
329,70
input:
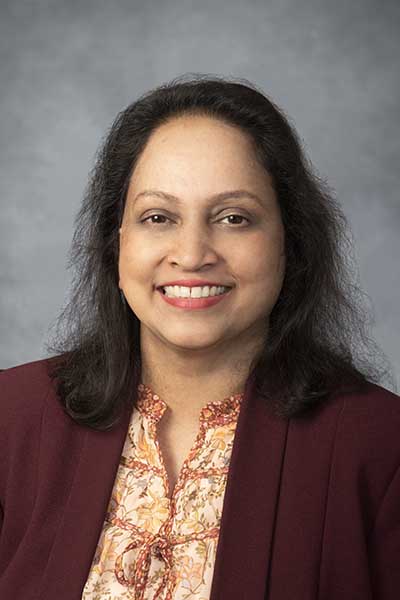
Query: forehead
x,y
199,151
190,136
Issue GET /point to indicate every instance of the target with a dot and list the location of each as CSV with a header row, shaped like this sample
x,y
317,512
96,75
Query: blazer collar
x,y
249,509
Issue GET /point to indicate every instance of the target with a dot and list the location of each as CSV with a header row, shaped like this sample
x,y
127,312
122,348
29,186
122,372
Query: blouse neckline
x,y
153,406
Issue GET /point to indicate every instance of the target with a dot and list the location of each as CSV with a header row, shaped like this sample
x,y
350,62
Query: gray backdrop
x,y
68,67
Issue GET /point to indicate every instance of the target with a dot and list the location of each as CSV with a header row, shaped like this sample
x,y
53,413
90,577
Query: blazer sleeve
x,y
384,546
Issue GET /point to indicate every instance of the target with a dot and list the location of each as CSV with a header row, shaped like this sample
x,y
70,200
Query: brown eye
x,y
235,216
155,222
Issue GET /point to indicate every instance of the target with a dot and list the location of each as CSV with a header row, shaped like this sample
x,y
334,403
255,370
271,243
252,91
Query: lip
x,y
193,283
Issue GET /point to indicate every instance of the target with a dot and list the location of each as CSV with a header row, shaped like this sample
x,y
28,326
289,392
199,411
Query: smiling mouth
x,y
223,290
192,303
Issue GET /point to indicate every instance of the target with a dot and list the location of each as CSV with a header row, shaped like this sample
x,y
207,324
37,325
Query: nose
x,y
192,246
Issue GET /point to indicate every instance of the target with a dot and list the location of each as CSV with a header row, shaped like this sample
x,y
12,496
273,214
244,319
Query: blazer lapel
x,y
249,511
75,543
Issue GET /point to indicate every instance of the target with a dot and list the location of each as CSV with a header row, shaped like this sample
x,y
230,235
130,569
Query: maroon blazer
x,y
311,509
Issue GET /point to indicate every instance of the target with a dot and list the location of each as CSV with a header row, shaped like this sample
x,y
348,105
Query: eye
x,y
152,217
235,215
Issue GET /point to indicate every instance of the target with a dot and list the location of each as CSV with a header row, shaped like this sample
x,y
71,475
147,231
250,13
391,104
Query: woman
x,y
209,425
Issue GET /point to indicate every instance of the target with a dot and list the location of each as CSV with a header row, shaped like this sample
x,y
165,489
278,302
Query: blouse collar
x,y
217,412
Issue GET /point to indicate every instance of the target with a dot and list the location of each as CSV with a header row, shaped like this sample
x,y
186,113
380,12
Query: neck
x,y
188,380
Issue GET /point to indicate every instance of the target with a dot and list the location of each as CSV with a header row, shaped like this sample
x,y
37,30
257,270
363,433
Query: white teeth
x,y
176,291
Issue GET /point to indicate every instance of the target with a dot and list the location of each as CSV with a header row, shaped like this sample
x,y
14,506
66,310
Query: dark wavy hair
x,y
318,341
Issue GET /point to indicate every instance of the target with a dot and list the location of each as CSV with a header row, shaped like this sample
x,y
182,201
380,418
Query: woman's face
x,y
193,236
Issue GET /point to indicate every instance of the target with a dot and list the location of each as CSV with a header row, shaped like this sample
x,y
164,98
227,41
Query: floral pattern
x,y
153,547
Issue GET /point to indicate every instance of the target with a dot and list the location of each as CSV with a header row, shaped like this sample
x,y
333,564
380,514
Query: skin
x,y
206,352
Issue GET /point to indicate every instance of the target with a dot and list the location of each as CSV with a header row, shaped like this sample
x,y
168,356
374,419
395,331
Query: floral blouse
x,y
153,547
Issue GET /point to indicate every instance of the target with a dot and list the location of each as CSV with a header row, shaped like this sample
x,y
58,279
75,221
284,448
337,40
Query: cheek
x,y
136,261
272,257
267,274
264,262
124,260
127,259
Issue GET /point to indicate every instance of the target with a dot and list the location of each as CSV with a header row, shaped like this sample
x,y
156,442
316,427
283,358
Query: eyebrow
x,y
219,197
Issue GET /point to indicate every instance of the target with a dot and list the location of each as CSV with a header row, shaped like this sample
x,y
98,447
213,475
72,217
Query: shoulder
x,y
371,413
375,407
367,440
361,423
23,391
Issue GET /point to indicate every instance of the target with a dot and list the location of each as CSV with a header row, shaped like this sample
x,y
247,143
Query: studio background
x,y
68,67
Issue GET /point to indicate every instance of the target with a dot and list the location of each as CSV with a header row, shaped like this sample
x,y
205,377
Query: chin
x,y
192,344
